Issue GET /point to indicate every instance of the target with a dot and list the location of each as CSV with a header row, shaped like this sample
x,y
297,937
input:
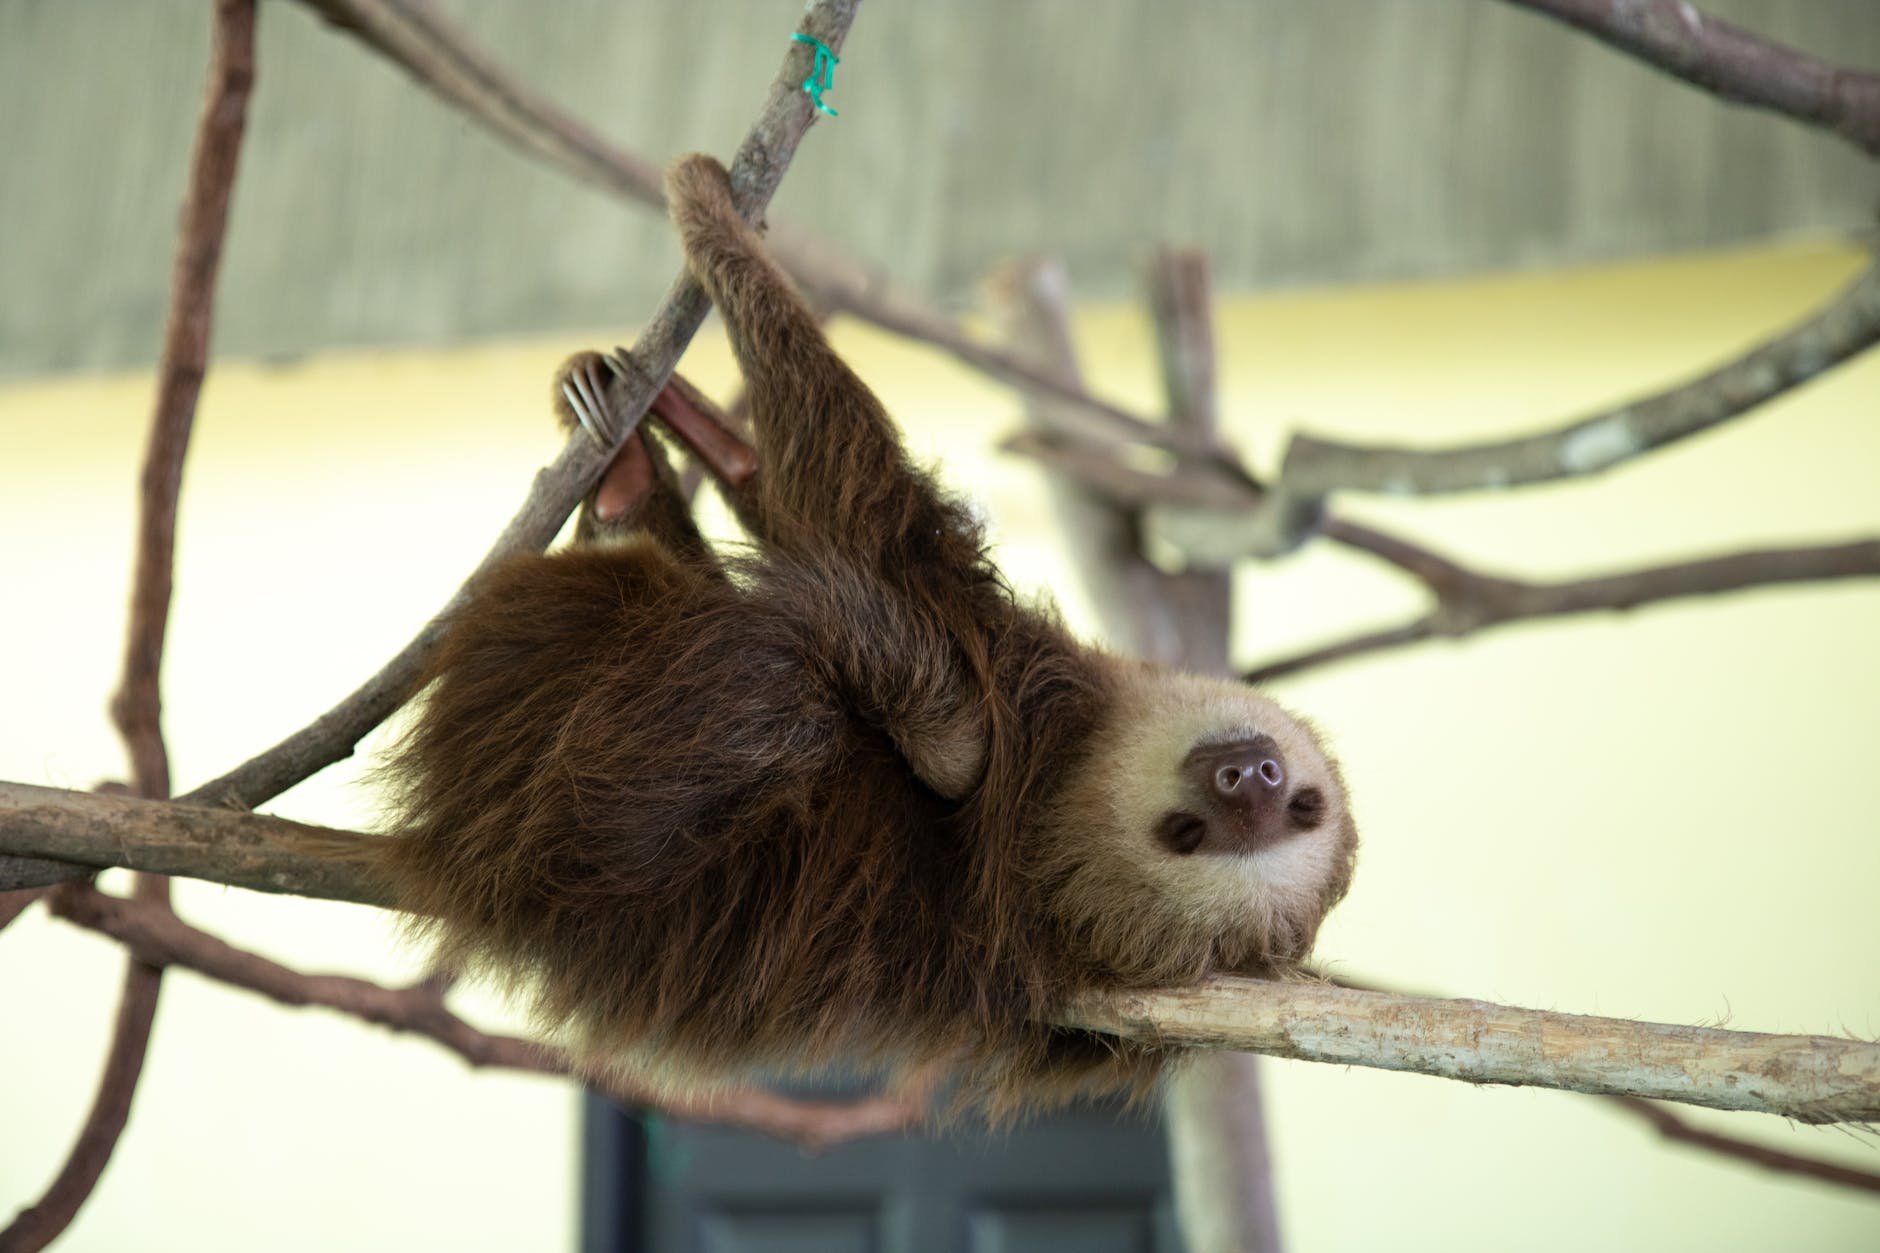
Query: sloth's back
x,y
633,785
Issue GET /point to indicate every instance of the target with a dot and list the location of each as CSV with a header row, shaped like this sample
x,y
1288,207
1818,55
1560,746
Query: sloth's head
x,y
1205,827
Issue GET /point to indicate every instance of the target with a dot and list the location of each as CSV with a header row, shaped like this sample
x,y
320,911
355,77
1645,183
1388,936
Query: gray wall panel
x,y
1299,142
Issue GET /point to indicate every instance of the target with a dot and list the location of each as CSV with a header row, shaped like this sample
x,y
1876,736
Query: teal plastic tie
x,y
823,77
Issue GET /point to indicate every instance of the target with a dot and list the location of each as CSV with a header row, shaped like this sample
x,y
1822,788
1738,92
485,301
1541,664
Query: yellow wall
x,y
1664,815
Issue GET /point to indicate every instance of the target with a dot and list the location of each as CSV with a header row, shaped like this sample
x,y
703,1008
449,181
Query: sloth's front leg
x,y
638,492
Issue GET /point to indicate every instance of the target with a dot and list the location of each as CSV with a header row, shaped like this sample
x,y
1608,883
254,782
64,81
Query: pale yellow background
x,y
1665,815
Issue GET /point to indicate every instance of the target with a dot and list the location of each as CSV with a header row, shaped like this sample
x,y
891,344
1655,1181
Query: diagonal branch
x,y
441,59
1730,62
157,937
1845,327
755,172
137,706
1467,602
1675,1128
1810,1078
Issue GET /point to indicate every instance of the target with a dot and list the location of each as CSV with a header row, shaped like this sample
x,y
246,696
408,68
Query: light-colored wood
x,y
1805,1077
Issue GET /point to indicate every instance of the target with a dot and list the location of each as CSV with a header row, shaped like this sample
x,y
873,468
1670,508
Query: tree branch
x,y
137,706
1844,327
1813,1079
1673,1127
245,850
1730,62
755,172
1216,1110
442,60
159,938
1467,602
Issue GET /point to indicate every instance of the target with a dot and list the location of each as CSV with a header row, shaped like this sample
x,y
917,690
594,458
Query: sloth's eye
x,y
1306,809
1181,833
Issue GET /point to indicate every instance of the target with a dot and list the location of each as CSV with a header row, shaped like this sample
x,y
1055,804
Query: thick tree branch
x,y
159,938
1730,62
137,706
755,172
1674,1126
1467,602
1813,1079
245,850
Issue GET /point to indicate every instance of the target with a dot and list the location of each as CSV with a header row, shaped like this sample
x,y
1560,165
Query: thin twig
x,y
137,706
755,172
1730,62
1673,1127
1468,602
158,937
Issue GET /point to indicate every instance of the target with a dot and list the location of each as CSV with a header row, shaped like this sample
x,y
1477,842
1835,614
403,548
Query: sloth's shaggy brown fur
x,y
845,799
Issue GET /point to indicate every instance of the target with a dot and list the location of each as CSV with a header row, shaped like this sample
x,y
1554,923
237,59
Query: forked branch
x,y
755,172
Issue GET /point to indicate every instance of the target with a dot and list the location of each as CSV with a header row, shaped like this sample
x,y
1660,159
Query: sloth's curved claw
x,y
586,394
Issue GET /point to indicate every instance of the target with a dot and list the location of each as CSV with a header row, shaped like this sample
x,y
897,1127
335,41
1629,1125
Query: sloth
x,y
837,796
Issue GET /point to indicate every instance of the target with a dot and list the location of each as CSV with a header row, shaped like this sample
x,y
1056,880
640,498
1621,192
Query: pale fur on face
x,y
1152,913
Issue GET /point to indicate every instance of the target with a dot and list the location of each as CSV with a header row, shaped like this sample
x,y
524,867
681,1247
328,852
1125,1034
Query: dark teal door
x,y
1090,1181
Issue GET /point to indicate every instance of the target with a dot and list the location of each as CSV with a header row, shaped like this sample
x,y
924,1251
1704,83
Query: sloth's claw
x,y
586,393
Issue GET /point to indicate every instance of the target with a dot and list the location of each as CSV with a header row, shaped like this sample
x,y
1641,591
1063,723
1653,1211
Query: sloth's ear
x,y
947,750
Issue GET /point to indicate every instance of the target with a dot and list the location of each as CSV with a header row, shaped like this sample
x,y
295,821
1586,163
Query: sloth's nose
x,y
1248,772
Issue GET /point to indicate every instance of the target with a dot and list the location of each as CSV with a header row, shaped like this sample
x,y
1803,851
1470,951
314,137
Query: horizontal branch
x,y
244,850
1468,601
1814,1079
159,938
1811,1078
1730,62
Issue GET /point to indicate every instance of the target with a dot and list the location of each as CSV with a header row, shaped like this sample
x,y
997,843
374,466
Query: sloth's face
x,y
1216,813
